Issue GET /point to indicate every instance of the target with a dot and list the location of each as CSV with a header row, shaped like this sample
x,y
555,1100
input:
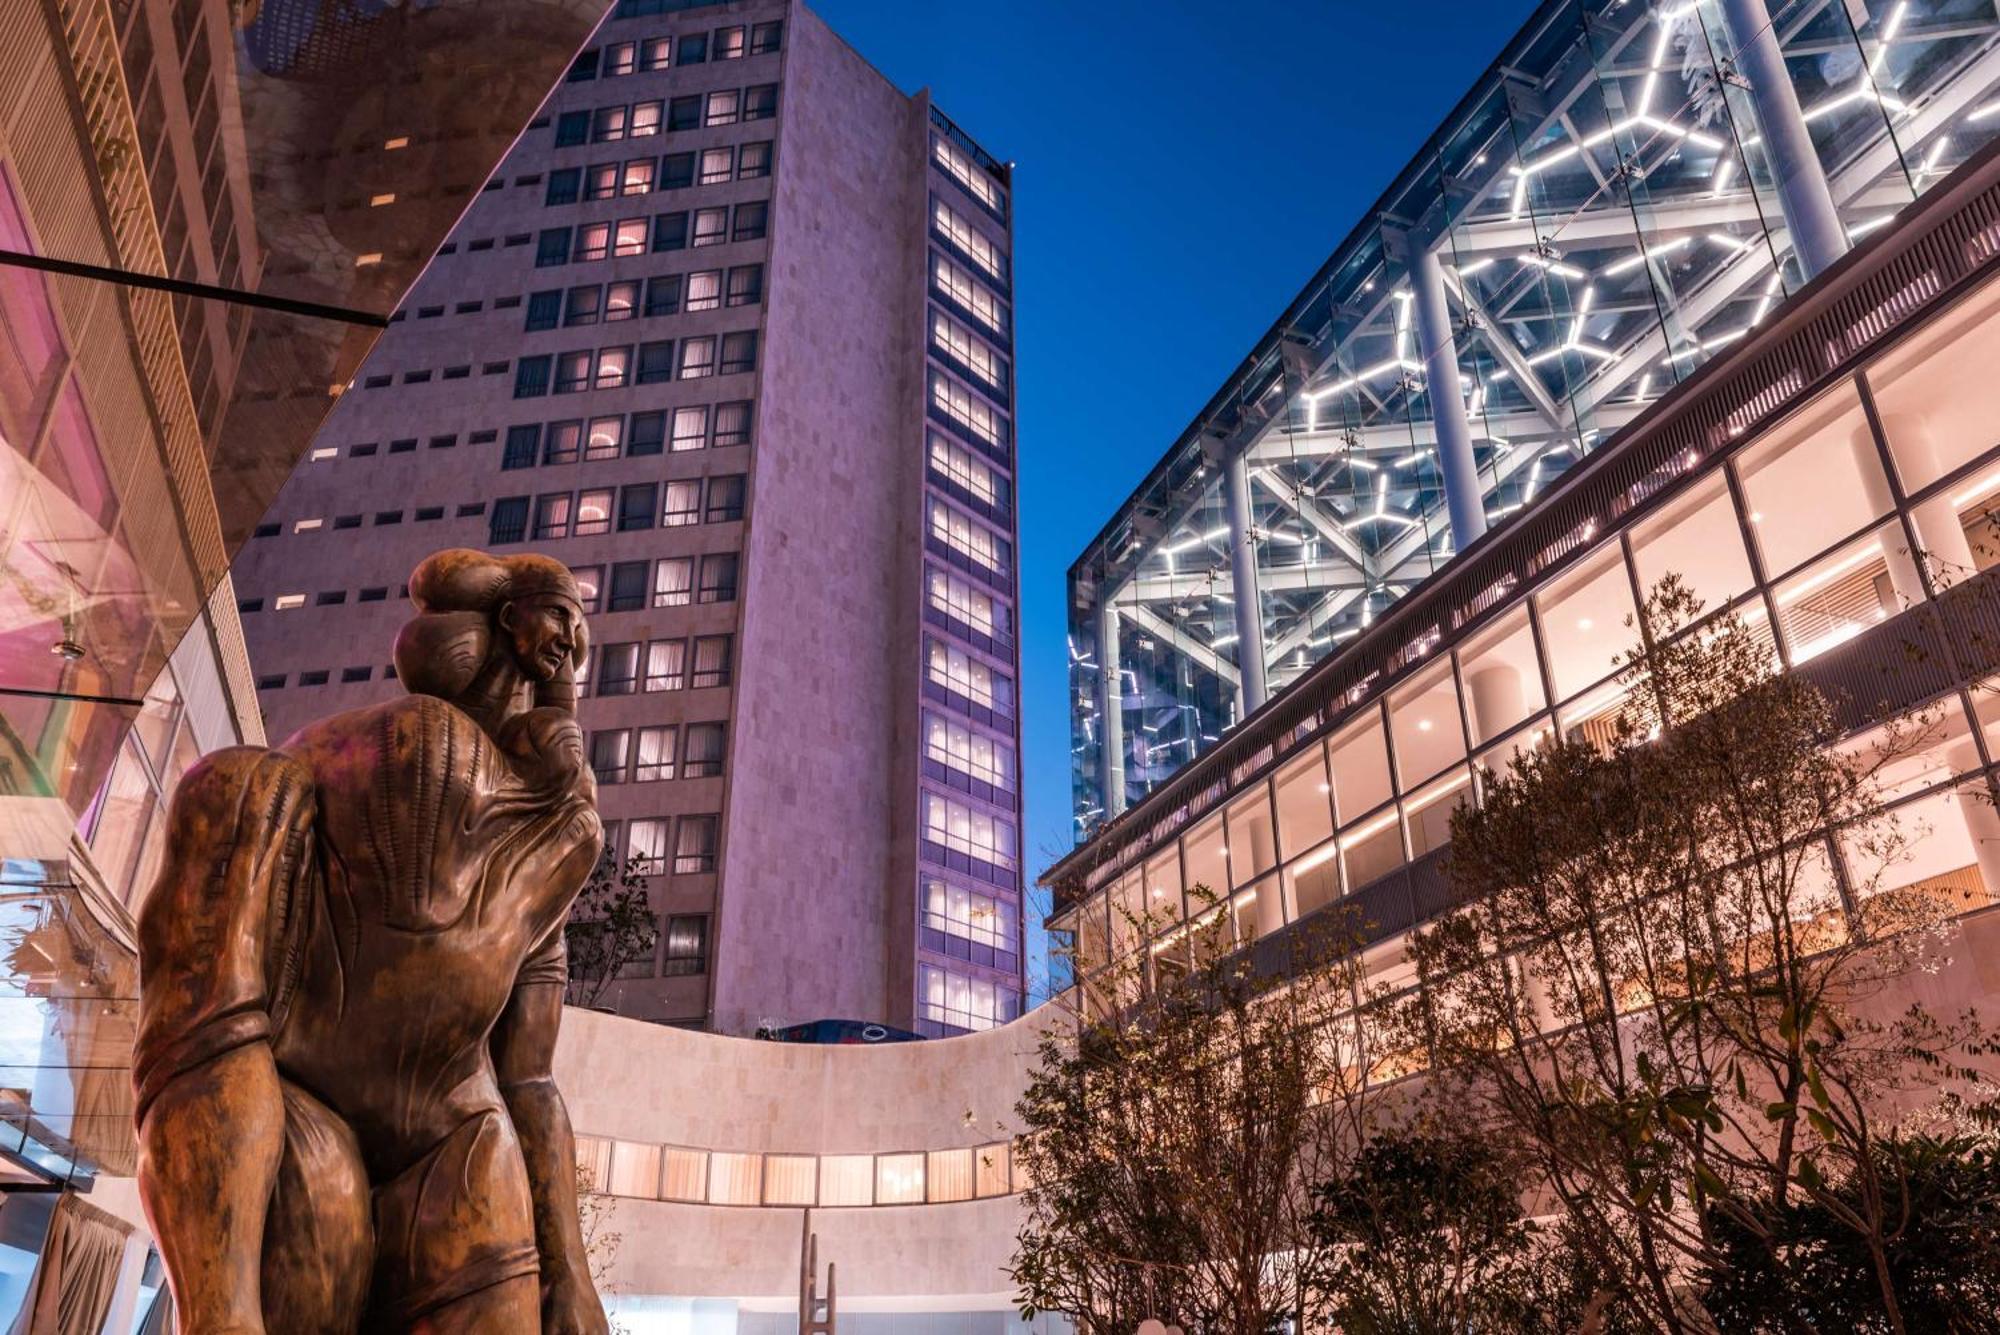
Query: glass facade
x,y
1847,517
1599,219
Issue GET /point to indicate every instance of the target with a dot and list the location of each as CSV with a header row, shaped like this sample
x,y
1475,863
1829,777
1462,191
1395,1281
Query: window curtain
x,y
76,1274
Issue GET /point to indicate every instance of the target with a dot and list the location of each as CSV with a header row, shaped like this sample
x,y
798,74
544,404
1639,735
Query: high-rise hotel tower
x,y
729,332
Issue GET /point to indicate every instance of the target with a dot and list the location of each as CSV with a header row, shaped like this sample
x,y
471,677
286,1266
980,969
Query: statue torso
x,y
445,864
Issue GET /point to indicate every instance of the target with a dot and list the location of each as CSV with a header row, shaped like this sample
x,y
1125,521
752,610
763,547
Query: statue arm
x,y
209,1104
524,1047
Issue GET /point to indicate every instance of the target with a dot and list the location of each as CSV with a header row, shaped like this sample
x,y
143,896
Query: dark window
x,y
386,517
347,521
265,531
494,368
376,594
603,181
509,520
753,160
581,307
442,443
317,678
426,514
752,220
746,285
274,682
707,743
628,586
687,945
564,442
249,604
677,171
361,451
468,308
648,434
544,310
725,498
609,751
684,113
765,37
583,68
732,423
377,382
718,578
635,506
739,352
429,312
617,669
356,674
663,294
331,598
484,243
656,362
402,446
506,303
572,127
552,248
523,442
711,661
531,377
760,103
457,372
470,510
484,437
517,239
693,49
670,231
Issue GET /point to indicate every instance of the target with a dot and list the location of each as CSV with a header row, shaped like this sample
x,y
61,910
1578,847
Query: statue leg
x,y
455,1238
511,1305
319,1237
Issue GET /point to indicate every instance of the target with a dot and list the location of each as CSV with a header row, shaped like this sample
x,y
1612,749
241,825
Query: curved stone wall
x,y
650,1089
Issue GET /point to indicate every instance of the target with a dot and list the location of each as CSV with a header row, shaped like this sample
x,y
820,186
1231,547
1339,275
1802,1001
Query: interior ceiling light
x,y
1889,31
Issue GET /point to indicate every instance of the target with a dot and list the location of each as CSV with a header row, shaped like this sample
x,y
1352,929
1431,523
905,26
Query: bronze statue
x,y
351,978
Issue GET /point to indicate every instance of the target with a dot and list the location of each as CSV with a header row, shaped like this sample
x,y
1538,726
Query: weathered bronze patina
x,y
351,977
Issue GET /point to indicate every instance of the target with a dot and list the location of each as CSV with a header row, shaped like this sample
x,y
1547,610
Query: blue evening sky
x,y
1181,171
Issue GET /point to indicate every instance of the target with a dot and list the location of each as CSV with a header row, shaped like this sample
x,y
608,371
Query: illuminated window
x,y
969,240
961,168
899,1179
962,829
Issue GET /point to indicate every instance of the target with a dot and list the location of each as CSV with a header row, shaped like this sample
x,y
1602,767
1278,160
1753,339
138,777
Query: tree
x,y
1171,1138
1944,1258
1425,1222
1654,975
611,925
601,1242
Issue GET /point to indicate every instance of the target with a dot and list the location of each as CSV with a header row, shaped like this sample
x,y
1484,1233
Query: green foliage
x,y
611,925
1816,1273
1430,1240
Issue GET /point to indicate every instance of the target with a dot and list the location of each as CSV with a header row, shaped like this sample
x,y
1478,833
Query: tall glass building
x,y
1628,192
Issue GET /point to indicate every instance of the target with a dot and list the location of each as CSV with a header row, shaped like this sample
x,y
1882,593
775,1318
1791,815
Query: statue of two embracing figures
x,y
352,974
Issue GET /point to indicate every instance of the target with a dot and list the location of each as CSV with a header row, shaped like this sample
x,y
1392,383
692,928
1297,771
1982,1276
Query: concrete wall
x,y
806,860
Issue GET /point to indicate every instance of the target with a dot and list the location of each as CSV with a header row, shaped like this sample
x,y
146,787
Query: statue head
x,y
486,620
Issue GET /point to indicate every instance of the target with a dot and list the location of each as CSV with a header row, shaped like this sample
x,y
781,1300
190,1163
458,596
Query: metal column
x,y
1463,495
1804,197
1111,709
1249,600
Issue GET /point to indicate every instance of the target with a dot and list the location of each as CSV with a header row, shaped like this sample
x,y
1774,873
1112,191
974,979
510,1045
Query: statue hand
x,y
570,1306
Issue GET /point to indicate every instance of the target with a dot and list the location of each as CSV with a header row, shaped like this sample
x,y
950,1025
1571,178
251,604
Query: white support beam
x,y
1147,619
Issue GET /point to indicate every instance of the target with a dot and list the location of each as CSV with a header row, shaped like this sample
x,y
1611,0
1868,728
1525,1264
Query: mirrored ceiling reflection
x,y
207,213
69,990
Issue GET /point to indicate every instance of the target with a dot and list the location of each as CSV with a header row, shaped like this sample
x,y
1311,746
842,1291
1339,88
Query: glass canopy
x,y
1605,213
